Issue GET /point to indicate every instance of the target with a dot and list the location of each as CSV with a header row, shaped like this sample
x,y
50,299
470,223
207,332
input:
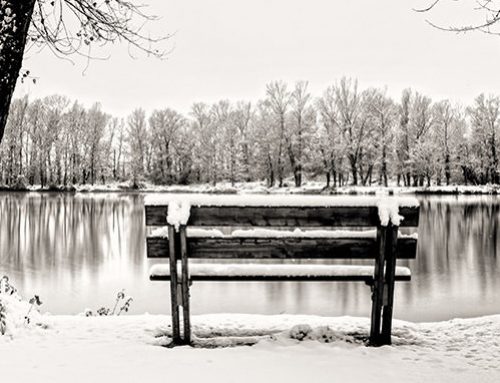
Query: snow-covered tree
x,y
278,99
484,115
137,139
298,136
66,27
165,126
382,118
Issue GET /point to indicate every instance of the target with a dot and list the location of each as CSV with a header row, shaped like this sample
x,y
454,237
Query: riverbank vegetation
x,y
346,136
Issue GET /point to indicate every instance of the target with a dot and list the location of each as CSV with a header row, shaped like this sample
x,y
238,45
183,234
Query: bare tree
x,y
165,125
352,122
485,15
303,118
382,114
278,98
330,147
242,117
449,126
137,135
403,139
485,121
67,27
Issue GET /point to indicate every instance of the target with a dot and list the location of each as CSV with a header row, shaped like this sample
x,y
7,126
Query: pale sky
x,y
229,49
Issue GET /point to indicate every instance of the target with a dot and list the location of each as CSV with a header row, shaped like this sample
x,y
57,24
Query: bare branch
x,y
70,27
427,8
488,9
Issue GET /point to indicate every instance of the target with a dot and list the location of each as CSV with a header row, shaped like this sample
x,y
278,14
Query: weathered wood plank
x,y
267,216
156,215
378,286
280,248
157,247
390,271
411,216
185,285
274,278
337,216
176,337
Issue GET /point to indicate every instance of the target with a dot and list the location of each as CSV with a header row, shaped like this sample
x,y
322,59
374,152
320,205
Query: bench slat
x,y
280,248
276,216
336,216
275,272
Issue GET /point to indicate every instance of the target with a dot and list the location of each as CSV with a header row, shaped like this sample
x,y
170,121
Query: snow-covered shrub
x,y
35,300
126,305
3,323
14,311
324,334
6,287
106,311
102,311
119,296
88,313
300,331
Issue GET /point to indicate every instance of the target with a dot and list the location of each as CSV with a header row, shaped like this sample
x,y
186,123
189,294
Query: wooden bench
x,y
284,228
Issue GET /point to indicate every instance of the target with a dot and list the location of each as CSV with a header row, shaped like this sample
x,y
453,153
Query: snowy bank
x,y
309,187
287,348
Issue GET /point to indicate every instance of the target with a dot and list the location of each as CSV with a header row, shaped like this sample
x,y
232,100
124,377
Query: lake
x,y
77,251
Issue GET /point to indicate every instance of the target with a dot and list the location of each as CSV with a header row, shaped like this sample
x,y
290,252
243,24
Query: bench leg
x,y
185,286
378,287
390,271
176,337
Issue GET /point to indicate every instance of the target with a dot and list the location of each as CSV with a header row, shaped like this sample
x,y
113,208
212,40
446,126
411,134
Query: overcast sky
x,y
229,49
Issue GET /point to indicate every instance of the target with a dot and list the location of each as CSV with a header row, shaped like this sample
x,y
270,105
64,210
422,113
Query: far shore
x,y
311,187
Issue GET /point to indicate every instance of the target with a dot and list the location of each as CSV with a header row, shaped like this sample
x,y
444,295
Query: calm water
x,y
76,252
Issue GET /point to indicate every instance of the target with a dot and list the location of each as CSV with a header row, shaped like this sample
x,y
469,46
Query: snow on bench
x,y
194,232
239,271
179,204
283,200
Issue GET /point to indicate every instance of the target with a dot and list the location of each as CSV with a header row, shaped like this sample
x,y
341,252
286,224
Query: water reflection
x,y
78,251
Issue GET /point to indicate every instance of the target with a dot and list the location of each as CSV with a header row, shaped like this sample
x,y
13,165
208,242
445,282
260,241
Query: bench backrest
x,y
320,244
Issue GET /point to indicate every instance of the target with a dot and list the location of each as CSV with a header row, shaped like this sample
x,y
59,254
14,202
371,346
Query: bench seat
x,y
274,272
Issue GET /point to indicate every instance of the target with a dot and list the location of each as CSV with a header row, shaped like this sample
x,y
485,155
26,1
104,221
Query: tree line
x,y
346,136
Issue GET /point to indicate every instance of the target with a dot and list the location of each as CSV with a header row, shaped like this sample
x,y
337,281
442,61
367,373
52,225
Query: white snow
x,y
178,212
408,236
298,233
388,207
388,211
289,348
195,232
275,200
270,270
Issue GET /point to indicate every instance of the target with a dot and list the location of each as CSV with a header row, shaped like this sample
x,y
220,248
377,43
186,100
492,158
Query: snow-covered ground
x,y
285,348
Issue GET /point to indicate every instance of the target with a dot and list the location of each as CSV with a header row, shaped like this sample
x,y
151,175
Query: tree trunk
x,y
384,166
494,160
246,162
16,16
270,178
447,171
354,169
